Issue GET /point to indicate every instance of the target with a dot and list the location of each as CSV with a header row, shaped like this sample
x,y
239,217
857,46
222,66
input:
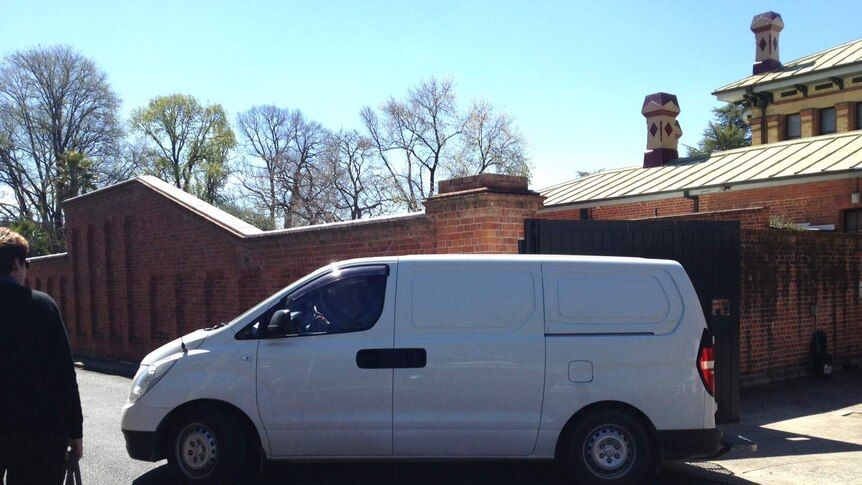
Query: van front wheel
x,y
607,447
207,447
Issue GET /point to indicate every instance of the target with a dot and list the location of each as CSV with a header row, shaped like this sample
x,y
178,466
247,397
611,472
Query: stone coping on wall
x,y
490,181
342,224
48,257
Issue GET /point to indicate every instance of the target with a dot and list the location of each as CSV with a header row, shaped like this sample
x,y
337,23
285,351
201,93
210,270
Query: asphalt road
x,y
106,462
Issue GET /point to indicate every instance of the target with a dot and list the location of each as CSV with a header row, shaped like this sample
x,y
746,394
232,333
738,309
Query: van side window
x,y
345,305
344,300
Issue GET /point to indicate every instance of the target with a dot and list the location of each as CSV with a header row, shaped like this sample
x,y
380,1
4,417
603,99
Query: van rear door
x,y
480,327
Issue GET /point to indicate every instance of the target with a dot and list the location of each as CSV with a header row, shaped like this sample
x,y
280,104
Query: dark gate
x,y
709,252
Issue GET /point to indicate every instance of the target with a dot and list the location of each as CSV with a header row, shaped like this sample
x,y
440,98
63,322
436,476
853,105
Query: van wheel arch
x,y
249,429
610,406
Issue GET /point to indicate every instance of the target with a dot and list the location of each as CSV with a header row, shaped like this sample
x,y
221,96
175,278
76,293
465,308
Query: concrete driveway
x,y
807,431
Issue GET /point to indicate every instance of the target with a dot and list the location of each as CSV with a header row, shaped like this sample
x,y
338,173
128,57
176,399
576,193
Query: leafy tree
x,y
253,217
54,102
726,132
40,242
584,173
188,142
75,175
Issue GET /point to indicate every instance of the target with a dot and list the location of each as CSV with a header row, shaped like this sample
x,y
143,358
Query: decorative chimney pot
x,y
663,131
766,27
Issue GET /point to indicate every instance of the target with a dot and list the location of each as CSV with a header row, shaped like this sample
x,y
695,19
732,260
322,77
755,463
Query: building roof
x,y
838,61
818,158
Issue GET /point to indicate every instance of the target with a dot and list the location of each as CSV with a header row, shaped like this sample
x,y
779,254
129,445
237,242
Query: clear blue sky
x,y
572,73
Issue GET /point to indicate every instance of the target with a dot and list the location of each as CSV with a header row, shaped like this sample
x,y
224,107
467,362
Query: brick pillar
x,y
809,121
775,128
756,115
845,115
482,214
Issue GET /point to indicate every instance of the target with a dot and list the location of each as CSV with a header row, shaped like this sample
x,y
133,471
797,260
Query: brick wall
x,y
815,203
754,218
143,268
794,283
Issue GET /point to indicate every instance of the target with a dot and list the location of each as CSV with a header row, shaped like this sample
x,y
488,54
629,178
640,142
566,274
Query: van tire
x,y
583,451
207,446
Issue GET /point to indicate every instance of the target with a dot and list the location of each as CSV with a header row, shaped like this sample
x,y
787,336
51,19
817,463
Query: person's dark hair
x,y
12,246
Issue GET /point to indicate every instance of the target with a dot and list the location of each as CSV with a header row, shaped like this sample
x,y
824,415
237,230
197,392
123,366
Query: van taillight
x,y
706,362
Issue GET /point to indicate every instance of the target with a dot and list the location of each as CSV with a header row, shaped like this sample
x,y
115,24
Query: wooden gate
x,y
709,252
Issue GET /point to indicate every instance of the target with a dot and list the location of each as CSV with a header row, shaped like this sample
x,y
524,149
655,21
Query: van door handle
x,y
391,358
372,359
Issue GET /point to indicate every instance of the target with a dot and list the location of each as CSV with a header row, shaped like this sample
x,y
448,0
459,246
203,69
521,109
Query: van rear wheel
x,y
607,447
208,447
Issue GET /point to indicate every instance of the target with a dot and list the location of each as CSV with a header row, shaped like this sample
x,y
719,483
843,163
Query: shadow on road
x,y
450,473
800,398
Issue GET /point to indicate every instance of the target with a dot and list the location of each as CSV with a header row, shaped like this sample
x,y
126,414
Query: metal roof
x,y
830,62
828,156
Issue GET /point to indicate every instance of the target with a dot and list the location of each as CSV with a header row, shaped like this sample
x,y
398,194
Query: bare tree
x,y
415,136
303,199
425,137
394,147
264,131
54,102
361,189
285,169
490,142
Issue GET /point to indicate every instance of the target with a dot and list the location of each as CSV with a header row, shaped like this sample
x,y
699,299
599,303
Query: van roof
x,y
508,258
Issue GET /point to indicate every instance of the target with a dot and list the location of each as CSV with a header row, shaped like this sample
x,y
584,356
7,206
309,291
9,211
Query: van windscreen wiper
x,y
217,325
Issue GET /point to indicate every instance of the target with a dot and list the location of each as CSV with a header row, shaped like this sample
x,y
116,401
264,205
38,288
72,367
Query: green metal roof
x,y
838,61
823,157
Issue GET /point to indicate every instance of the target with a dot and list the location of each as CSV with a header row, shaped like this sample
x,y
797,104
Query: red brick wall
x,y
794,283
816,203
142,269
755,218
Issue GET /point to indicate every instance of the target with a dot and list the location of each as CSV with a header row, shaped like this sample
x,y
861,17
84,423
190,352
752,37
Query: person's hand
x,y
77,446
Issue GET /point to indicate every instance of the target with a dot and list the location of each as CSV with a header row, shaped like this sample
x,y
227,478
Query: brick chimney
x,y
663,131
766,27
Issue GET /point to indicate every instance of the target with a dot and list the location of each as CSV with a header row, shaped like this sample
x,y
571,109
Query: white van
x,y
605,364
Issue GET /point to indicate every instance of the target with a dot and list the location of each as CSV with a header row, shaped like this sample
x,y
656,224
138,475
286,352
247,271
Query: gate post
x,y
726,332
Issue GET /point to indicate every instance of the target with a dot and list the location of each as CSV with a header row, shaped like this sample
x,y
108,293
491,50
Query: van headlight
x,y
148,375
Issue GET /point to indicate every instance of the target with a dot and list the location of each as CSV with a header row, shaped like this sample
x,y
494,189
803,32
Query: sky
x,y
573,73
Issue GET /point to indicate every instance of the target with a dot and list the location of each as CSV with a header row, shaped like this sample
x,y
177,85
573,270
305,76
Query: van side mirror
x,y
281,324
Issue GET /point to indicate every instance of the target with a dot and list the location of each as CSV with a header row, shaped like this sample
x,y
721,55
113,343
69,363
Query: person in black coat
x,y
40,408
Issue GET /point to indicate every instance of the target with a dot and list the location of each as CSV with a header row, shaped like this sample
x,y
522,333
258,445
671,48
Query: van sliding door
x,y
479,329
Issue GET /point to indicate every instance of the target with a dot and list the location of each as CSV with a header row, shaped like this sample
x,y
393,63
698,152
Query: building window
x,y
859,116
828,122
794,127
853,220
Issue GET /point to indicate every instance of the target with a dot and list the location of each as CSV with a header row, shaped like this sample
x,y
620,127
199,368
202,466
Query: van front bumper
x,y
679,444
143,445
